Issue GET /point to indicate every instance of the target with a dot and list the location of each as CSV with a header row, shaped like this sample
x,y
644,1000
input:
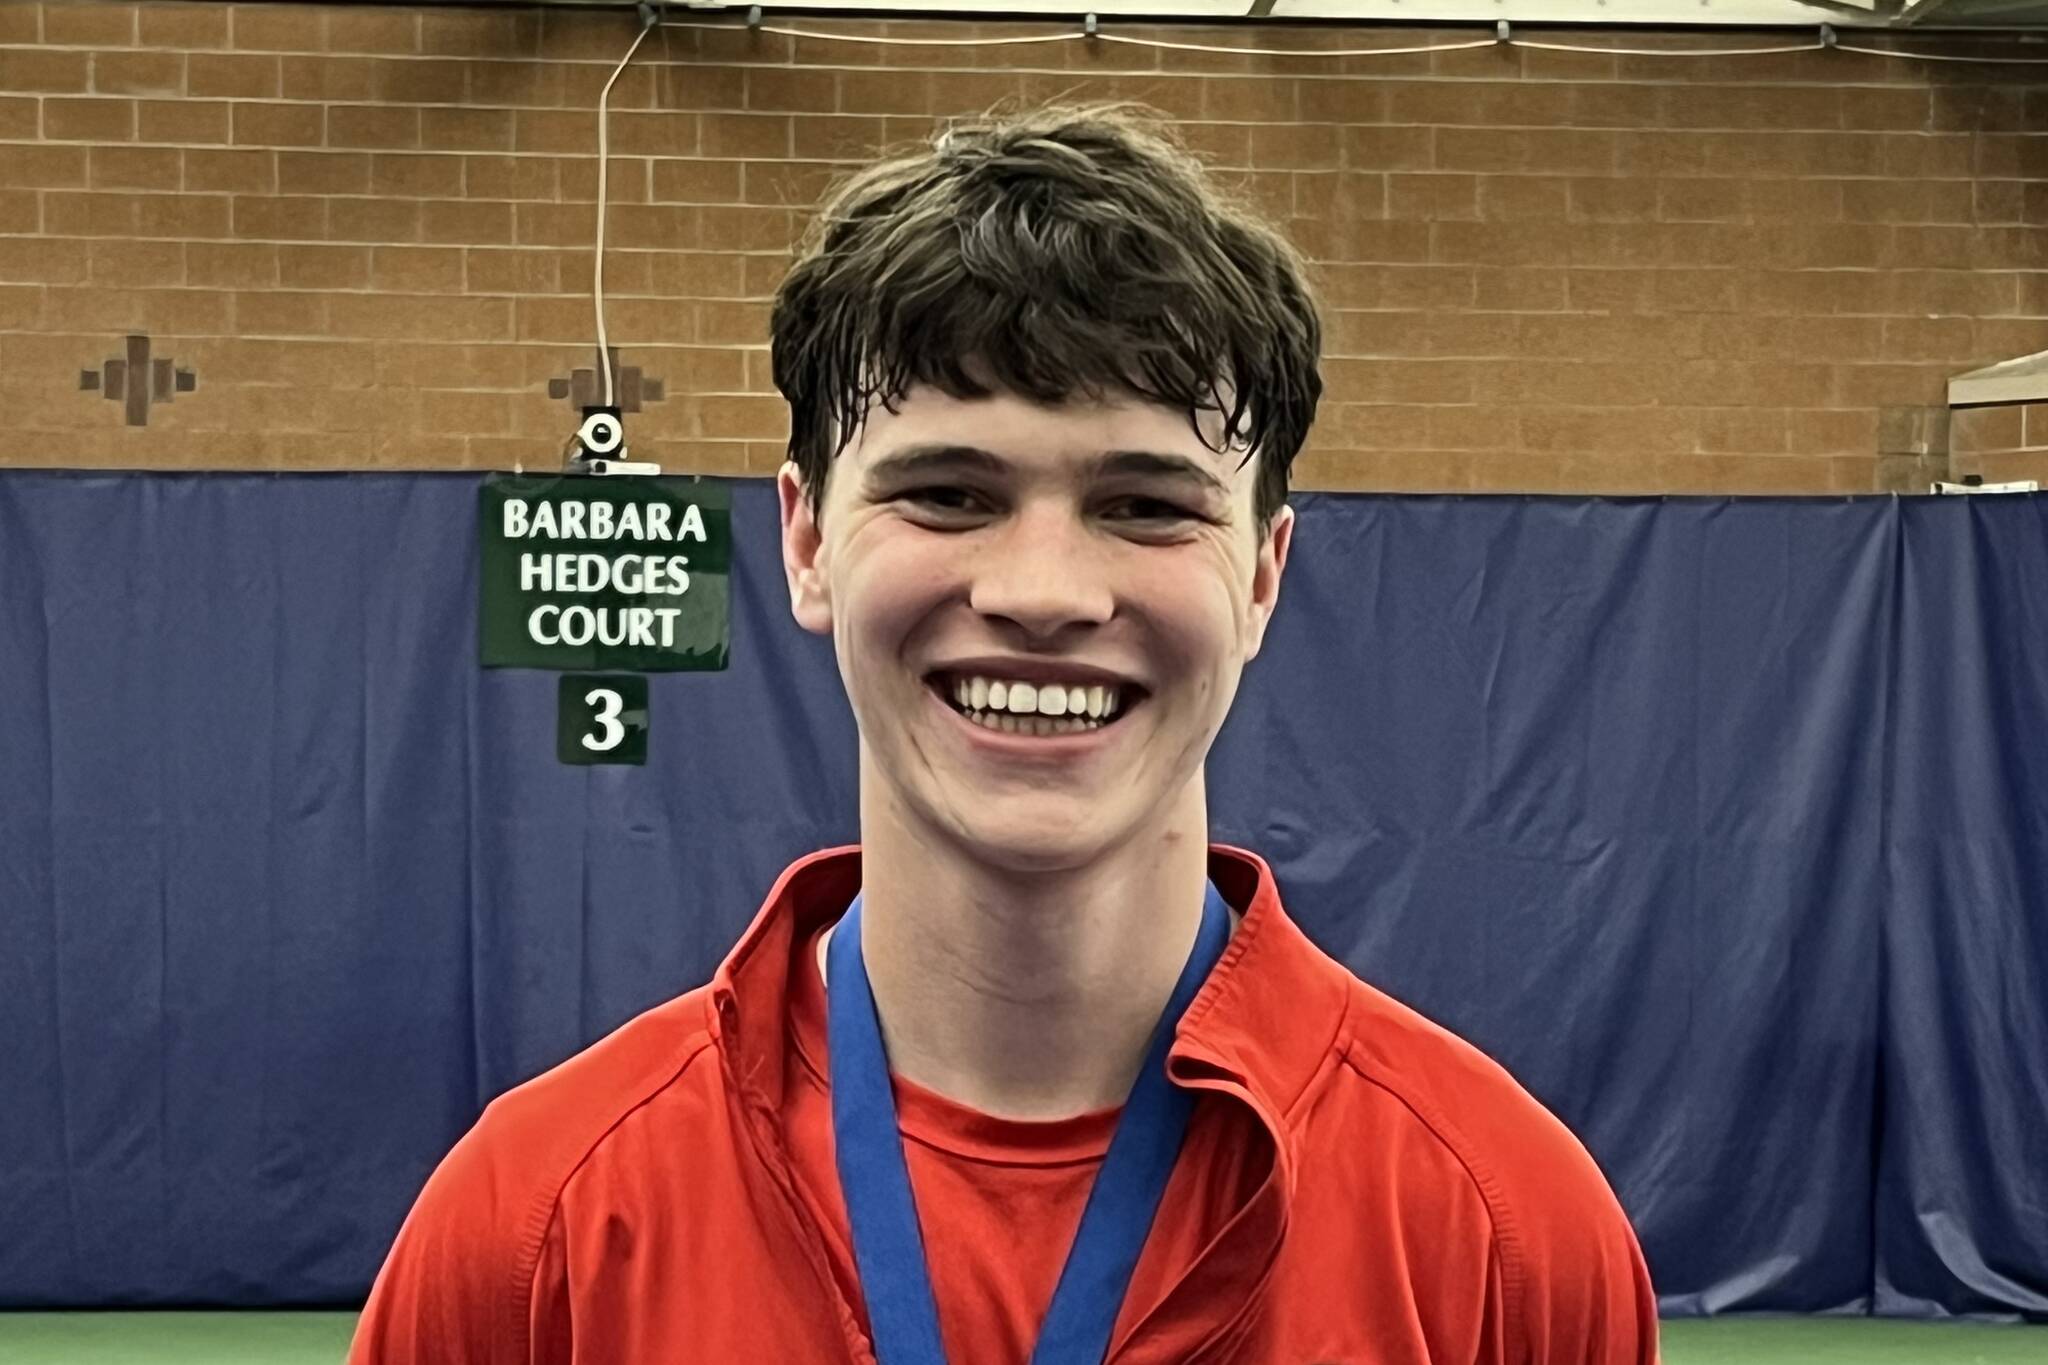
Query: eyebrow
x,y
948,458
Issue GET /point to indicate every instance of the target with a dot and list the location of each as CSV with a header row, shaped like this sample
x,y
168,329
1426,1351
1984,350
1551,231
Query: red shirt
x,y
1357,1186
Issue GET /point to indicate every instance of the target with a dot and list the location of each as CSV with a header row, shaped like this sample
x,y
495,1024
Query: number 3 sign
x,y
602,718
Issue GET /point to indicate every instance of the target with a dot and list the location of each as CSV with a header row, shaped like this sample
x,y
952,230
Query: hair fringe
x,y
1072,250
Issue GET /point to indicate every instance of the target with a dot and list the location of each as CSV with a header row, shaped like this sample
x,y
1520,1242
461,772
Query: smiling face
x,y
965,544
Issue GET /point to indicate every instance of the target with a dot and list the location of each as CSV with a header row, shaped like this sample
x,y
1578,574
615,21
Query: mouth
x,y
1045,711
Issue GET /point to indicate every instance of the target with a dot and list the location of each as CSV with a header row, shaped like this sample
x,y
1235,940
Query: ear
x,y
810,597
1266,572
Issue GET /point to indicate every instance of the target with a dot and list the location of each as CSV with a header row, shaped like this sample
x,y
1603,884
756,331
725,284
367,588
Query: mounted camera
x,y
600,446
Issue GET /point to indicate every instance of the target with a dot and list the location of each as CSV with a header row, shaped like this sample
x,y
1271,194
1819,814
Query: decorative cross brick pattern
x,y
585,388
138,380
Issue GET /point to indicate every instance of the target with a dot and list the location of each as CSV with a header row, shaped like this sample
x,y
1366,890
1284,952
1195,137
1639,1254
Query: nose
x,y
1042,572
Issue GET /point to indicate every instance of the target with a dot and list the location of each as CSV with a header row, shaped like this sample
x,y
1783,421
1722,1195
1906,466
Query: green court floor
x,y
322,1338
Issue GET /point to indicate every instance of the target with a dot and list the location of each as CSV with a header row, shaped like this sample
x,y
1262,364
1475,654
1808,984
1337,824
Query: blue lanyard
x,y
887,1244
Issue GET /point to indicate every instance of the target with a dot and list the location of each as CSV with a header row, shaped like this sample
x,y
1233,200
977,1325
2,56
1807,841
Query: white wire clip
x,y
1501,32
1827,35
1088,25
753,16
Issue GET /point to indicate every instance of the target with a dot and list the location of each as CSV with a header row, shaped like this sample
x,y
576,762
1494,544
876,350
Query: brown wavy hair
x,y
1069,250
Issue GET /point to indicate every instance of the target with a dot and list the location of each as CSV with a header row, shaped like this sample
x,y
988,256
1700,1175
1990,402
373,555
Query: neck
x,y
1029,995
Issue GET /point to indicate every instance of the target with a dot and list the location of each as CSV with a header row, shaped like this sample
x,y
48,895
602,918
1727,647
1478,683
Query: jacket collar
x,y
1266,1020
1260,1029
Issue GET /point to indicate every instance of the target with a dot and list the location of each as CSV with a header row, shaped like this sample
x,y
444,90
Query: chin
x,y
1039,846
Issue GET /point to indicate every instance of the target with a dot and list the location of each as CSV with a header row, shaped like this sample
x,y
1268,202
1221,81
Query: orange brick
x,y
744,136
182,121
357,125
21,24
416,269
20,212
89,120
371,28
512,271
1976,430
509,177
322,172
92,214
134,168
467,130
552,225
694,89
44,69
725,322
279,313
183,215
1831,431
138,73
462,223
694,274
515,85
278,125
88,23
479,33
791,90
373,220
234,171
1429,197
1518,289
20,118
1388,149
723,227
1526,198
628,181
719,183
408,176
232,75
183,27
137,265
44,260
559,131
230,265
43,167
274,28
279,217
332,79
660,133
885,92
414,80
323,266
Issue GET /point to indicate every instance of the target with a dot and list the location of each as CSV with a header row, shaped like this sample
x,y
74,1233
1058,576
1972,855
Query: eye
x,y
941,498
1150,509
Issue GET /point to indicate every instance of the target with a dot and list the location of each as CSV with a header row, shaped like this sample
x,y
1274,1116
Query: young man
x,y
1034,1073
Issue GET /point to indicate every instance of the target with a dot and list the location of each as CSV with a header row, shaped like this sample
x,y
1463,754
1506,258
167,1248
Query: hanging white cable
x,y
1291,52
1944,56
1537,43
604,350
1369,51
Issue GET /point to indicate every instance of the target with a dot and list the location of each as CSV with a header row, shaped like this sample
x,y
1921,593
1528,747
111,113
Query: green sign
x,y
602,718
593,572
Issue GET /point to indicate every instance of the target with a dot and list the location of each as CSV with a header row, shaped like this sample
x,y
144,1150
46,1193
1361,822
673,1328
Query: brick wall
x,y
321,236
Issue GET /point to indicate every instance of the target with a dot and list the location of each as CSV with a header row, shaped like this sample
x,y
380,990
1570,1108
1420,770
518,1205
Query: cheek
x,y
887,587
1196,611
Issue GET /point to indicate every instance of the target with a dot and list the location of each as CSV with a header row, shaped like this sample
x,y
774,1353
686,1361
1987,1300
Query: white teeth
x,y
1064,708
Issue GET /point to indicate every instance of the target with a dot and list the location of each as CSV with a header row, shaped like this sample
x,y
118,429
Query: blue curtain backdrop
x,y
1722,823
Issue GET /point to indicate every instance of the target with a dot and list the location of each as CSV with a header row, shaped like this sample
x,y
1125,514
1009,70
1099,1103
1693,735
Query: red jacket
x,y
1410,1203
